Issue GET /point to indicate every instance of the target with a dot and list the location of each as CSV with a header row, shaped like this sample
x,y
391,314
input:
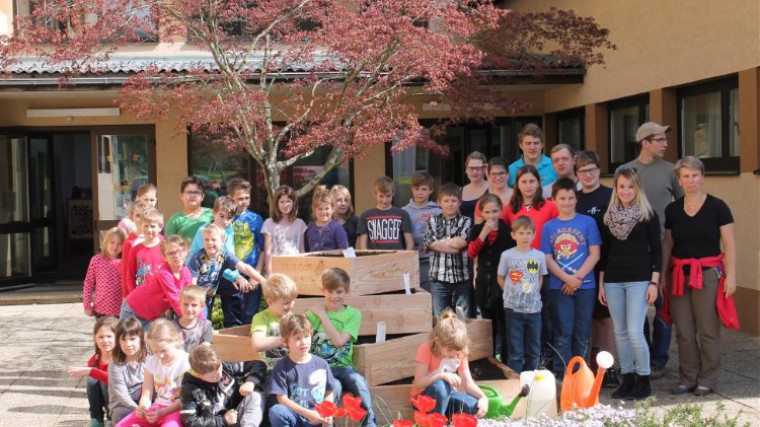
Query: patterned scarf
x,y
622,220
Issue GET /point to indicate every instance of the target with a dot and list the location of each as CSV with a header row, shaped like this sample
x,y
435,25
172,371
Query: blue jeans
x,y
524,340
353,382
572,325
233,303
451,295
659,345
628,307
127,311
547,329
97,397
281,416
448,401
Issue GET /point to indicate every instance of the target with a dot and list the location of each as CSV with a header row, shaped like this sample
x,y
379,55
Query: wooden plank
x,y
371,272
234,344
402,313
393,360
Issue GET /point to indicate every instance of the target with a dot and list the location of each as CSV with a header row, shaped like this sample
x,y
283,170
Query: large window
x,y
709,124
571,128
625,115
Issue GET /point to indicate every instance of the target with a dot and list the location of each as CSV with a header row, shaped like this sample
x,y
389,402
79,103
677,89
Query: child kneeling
x,y
210,394
442,368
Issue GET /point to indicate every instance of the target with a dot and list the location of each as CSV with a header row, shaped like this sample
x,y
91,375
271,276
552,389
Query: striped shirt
x,y
448,268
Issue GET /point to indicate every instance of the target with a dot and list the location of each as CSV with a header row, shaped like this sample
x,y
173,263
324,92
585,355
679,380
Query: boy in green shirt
x,y
187,221
336,327
280,292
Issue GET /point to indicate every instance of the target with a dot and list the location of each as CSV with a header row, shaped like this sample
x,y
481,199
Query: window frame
x,y
574,113
642,102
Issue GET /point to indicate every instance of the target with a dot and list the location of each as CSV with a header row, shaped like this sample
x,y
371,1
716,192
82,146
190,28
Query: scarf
x,y
622,220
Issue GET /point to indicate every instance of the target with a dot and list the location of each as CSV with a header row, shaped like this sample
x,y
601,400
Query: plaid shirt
x,y
448,268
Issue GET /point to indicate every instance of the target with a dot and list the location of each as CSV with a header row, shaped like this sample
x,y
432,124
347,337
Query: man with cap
x,y
661,187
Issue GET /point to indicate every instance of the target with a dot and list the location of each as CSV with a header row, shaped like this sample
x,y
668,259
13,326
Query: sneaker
x,y
96,423
611,378
657,372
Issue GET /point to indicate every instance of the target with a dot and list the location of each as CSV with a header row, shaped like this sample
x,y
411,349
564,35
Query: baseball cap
x,y
648,129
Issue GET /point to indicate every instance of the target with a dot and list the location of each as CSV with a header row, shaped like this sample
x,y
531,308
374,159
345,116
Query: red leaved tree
x,y
281,78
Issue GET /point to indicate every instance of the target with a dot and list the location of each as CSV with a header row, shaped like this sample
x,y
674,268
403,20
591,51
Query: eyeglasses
x,y
587,172
662,140
172,254
475,168
499,173
193,193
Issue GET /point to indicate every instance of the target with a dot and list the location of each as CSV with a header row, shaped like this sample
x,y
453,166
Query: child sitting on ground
x,y
104,277
96,370
194,329
336,327
301,380
280,293
126,371
212,393
441,369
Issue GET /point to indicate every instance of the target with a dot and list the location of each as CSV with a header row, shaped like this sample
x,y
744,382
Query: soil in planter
x,y
481,370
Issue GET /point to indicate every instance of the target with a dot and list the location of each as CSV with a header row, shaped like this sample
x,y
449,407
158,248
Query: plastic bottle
x,y
542,398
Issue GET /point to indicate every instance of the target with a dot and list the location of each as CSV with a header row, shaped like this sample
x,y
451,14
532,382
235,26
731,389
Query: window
x,y
571,128
709,124
625,117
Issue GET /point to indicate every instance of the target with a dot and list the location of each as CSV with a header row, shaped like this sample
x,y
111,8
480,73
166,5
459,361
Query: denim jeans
x,y
233,302
97,397
524,339
659,344
350,381
448,401
547,328
628,307
251,303
127,311
451,295
572,325
281,416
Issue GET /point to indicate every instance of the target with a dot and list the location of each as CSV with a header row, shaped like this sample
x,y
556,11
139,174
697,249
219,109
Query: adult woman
x,y
629,274
498,176
696,227
527,199
475,168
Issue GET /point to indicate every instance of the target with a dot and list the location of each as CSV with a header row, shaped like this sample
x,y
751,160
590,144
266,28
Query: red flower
x,y
423,403
352,401
437,420
402,423
464,420
326,409
339,413
355,414
421,419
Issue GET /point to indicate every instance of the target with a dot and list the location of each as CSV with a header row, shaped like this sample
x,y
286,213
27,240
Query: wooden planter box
x,y
394,359
402,313
234,344
372,271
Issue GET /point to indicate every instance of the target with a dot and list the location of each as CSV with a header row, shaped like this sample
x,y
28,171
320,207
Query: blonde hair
x,y
193,292
449,332
640,200
163,330
689,162
321,195
113,231
225,204
214,229
153,216
343,190
295,325
142,205
145,188
280,287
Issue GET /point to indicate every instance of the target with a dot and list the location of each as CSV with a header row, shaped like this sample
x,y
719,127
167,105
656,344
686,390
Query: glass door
x,y
42,206
14,209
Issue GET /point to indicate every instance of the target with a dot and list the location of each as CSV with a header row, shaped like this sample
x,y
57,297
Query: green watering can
x,y
497,406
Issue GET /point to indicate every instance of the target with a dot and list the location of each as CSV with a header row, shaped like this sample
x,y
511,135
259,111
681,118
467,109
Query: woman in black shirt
x,y
629,273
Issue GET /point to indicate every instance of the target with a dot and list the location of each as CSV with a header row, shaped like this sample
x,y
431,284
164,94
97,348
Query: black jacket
x,y
204,404
488,294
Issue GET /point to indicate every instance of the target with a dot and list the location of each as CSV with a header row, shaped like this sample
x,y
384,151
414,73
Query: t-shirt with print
x,y
209,271
304,383
346,321
167,380
522,271
437,363
197,244
568,241
249,242
201,332
265,321
385,229
286,238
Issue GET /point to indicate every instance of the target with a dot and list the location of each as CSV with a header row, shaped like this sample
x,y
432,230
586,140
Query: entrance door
x,y
14,209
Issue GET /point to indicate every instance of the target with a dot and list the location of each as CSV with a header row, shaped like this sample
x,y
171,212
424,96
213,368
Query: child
x,y
525,268
139,207
280,292
187,221
336,328
441,369
324,234
420,210
571,244
148,193
224,213
194,329
104,277
299,381
210,264
164,369
446,238
96,370
343,212
128,224
126,371
146,197
145,257
212,393
249,242
486,243
385,226
283,232
161,292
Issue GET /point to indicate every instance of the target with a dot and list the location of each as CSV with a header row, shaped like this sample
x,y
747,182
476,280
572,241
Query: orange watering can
x,y
580,389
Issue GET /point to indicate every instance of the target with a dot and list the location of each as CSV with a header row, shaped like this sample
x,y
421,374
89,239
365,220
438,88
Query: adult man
x,y
661,187
562,159
531,143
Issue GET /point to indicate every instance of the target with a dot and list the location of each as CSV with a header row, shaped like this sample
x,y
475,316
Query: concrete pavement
x,y
38,343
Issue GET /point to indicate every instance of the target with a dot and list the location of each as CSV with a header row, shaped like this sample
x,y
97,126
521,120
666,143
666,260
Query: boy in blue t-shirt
x,y
249,243
300,381
571,243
